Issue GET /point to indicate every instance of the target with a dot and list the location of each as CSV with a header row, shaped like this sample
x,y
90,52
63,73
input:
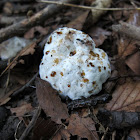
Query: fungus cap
x,y
72,64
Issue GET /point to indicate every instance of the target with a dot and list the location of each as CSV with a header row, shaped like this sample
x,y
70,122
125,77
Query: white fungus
x,y
72,64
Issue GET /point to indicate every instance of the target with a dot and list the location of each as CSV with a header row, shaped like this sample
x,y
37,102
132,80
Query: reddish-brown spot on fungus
x,y
61,73
89,43
72,53
68,85
56,60
53,73
85,80
92,53
50,40
47,52
99,68
93,83
83,74
91,91
59,33
91,64
103,54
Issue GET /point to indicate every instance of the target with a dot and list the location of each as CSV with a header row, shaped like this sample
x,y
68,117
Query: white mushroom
x,y
72,64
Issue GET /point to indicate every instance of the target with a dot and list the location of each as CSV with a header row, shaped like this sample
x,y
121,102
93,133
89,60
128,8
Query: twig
x,y
31,124
114,135
103,137
123,76
21,52
15,135
87,7
23,26
25,86
10,20
127,29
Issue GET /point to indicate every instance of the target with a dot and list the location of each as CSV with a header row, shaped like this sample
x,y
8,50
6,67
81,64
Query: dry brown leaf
x,y
78,22
94,16
126,47
133,62
126,97
21,110
6,97
83,127
30,50
63,134
50,102
44,129
31,33
135,133
98,35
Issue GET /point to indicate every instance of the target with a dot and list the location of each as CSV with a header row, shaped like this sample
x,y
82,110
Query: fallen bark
x,y
5,20
127,29
119,119
92,101
22,26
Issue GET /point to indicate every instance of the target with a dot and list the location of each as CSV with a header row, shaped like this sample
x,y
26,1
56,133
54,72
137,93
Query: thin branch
x,y
87,7
21,27
123,76
15,135
21,52
31,124
25,86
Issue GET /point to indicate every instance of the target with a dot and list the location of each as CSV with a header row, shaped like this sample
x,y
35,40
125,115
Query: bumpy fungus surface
x,y
72,64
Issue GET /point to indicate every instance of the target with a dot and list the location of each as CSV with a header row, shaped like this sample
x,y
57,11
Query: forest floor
x,y
31,109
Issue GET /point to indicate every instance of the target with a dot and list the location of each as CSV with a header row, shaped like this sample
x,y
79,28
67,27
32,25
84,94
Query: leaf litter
x,y
50,102
56,121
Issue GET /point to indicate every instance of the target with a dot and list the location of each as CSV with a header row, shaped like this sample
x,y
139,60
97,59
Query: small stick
x,y
31,124
123,76
25,86
21,27
21,52
127,29
15,135
87,7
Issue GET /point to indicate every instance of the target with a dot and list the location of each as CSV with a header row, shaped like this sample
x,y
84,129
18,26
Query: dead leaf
x,y
98,35
63,134
21,110
133,62
44,129
126,47
94,15
30,50
50,102
135,133
78,22
83,127
126,97
31,33
5,98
